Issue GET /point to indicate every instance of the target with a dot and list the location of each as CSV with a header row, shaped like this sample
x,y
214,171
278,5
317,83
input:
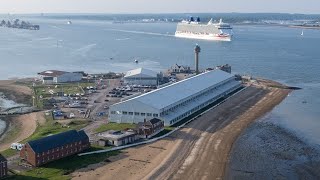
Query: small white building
x,y
177,101
141,76
54,76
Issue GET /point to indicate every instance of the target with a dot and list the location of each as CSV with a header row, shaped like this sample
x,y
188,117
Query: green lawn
x,y
114,126
61,169
52,127
9,152
49,128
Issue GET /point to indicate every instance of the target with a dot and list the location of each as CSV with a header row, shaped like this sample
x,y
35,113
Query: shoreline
x,y
6,128
273,151
207,139
14,125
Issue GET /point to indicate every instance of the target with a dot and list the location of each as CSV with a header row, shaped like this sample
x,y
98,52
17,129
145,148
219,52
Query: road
x,y
100,97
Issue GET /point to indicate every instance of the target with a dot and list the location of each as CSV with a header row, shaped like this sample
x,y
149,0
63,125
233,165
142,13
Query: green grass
x,y
114,126
9,152
67,88
52,127
166,130
61,169
49,128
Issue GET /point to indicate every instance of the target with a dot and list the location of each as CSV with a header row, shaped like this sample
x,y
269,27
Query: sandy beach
x,y
198,151
23,126
15,92
268,151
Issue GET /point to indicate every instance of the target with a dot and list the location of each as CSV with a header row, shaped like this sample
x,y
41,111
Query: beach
x,y
268,151
199,150
18,127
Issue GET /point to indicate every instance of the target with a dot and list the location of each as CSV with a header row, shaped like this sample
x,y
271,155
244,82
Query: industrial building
x,y
176,101
54,76
47,149
3,167
141,76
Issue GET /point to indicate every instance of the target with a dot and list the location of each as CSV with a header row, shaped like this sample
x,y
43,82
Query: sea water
x,y
91,45
4,104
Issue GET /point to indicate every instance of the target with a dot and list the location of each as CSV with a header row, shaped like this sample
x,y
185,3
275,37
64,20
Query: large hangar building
x,y
177,101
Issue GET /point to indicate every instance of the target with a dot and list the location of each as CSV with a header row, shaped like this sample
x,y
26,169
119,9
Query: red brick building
x,y
42,151
147,129
3,167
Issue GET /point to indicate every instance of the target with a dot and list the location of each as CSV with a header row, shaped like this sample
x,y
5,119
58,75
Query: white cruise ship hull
x,y
212,37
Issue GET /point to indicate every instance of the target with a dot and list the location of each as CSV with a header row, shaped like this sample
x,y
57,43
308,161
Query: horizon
x,y
159,13
157,7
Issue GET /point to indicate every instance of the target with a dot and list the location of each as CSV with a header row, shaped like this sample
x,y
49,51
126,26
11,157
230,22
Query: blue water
x,y
274,52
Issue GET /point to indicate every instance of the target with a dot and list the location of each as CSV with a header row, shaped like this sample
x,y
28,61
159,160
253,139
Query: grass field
x,y
114,126
49,128
62,168
52,127
42,92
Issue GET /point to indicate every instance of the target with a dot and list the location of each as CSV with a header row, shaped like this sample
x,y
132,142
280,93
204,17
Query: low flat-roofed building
x,y
116,138
176,101
141,76
54,76
3,166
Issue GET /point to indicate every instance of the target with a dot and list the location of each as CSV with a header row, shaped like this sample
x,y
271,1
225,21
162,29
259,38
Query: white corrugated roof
x,y
170,94
141,72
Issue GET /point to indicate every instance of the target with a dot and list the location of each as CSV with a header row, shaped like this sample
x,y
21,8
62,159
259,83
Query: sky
x,y
159,6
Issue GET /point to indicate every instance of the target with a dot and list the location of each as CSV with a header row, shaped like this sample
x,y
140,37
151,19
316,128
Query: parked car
x,y
16,146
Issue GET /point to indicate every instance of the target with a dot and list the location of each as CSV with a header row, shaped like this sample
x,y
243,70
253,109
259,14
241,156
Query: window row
x,y
135,113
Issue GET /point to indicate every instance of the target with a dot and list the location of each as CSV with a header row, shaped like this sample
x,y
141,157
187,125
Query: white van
x,y
16,146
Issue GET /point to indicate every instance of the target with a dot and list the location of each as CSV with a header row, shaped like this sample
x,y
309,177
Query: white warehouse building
x,y
177,101
54,76
141,76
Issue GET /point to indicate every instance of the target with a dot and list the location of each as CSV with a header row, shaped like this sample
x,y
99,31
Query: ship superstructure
x,y
194,29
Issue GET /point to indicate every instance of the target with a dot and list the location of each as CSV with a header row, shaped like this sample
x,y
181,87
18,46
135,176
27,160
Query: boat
x,y
136,61
302,33
195,29
69,22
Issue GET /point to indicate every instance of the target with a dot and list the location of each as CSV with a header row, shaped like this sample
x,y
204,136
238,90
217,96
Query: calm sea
x,y
275,52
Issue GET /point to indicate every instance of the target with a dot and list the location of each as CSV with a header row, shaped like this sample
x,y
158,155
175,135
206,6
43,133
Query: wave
x,y
83,50
43,39
56,27
122,39
140,32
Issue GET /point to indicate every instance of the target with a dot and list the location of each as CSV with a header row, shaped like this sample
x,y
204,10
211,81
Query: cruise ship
x,y
194,29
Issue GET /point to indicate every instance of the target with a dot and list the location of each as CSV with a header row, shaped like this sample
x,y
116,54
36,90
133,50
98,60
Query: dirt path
x,y
198,151
26,125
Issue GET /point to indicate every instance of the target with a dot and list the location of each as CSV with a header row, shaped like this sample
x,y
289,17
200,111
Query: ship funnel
x,y
197,50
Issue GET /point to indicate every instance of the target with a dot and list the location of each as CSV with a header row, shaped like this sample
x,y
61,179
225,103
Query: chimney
x,y
197,50
145,122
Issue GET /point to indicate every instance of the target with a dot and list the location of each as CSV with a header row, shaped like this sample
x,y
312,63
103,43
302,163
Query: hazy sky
x,y
158,6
